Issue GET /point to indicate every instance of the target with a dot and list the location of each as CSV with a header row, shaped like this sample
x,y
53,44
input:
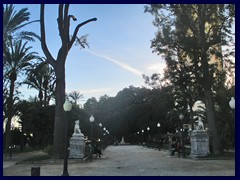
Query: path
x,y
131,161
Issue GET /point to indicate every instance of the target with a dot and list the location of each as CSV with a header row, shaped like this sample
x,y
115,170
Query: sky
x,y
119,50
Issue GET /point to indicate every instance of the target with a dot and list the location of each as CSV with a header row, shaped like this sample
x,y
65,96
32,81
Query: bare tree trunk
x,y
59,67
59,127
216,143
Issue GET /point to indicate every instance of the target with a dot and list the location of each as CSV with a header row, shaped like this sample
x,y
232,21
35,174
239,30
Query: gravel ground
x,y
127,160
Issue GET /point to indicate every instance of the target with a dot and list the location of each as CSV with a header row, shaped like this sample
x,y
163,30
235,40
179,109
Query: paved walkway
x,y
129,161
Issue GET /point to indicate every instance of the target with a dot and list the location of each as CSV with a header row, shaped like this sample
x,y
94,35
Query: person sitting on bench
x,y
176,148
97,150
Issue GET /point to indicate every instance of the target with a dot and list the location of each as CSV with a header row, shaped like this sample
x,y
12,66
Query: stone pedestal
x,y
77,146
199,143
122,142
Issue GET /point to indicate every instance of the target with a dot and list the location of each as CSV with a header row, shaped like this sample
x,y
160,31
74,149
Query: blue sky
x,y
119,47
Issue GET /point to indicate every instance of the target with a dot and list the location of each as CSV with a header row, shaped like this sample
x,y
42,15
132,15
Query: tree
x,y
37,121
91,105
17,58
14,22
42,78
195,34
75,96
16,55
58,64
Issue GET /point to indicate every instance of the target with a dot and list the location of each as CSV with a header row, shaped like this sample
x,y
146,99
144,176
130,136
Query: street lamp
x,y
183,131
100,125
232,103
138,137
67,106
142,136
11,144
91,119
148,129
159,145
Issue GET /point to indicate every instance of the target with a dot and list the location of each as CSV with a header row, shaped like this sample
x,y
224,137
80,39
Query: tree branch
x,y
48,55
77,29
66,23
60,20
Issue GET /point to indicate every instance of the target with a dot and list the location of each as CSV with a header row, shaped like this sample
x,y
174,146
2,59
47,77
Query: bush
x,y
49,150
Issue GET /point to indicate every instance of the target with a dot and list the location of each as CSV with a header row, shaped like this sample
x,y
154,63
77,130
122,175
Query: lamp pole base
x,y
65,174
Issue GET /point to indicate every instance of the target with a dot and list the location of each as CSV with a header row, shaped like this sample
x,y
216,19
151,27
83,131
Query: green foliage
x,y
38,121
49,150
191,38
132,110
41,77
75,96
16,56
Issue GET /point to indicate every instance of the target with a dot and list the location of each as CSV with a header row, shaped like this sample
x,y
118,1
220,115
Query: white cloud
x,y
119,63
156,68
97,90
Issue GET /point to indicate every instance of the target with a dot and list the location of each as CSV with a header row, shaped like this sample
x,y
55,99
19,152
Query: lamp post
x,y
159,145
148,136
67,106
91,121
11,144
100,125
183,131
142,136
138,138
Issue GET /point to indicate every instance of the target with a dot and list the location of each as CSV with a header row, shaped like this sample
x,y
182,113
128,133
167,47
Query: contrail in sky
x,y
121,64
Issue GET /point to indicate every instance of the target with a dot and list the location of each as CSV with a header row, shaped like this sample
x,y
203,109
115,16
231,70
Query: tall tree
x,y
75,96
13,24
15,54
58,64
42,78
17,57
195,34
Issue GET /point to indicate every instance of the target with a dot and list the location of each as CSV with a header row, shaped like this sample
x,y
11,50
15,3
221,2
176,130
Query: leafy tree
x,y
16,55
132,110
91,105
193,34
75,96
37,121
13,24
17,58
58,64
42,78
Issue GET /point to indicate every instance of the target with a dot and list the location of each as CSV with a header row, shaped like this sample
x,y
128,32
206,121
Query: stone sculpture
x,y
77,143
77,131
200,125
